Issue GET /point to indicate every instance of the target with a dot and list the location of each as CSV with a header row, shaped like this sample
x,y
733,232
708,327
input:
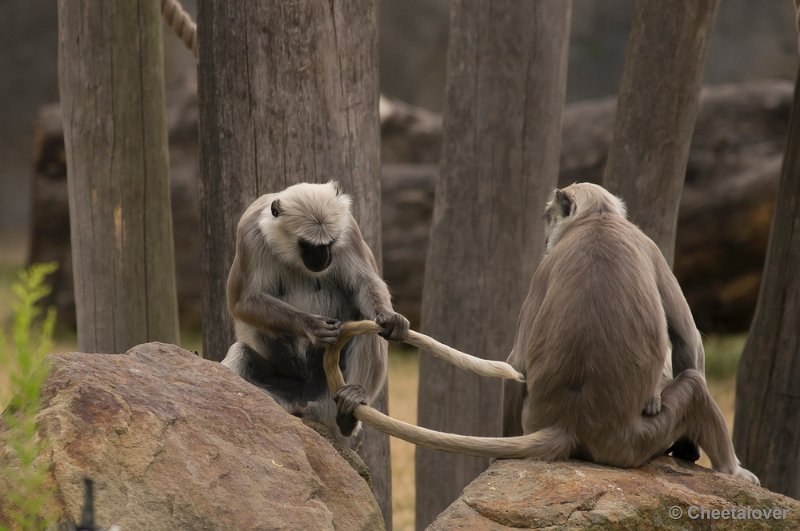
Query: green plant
x,y
23,359
722,355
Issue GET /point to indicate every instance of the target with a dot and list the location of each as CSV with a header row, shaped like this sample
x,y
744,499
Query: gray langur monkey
x,y
594,338
302,267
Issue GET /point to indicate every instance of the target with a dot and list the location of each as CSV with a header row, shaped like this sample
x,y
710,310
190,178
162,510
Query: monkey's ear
x,y
564,202
276,208
337,188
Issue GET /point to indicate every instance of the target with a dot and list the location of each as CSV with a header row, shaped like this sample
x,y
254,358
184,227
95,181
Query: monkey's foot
x,y
299,410
685,449
653,406
348,454
395,326
348,398
743,473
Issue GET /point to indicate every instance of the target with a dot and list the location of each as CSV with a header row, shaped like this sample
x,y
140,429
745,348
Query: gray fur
x,y
285,313
602,326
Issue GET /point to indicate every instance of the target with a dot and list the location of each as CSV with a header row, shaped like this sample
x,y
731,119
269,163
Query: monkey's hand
x,y
321,331
348,398
395,326
653,406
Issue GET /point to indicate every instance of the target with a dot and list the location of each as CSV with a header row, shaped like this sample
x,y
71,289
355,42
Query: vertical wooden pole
x,y
506,77
288,93
656,113
111,83
767,428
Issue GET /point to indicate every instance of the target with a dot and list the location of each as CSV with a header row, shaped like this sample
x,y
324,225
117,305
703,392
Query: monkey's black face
x,y
315,257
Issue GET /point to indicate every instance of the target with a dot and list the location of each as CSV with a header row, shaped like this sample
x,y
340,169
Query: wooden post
x,y
767,428
506,76
111,84
658,102
288,93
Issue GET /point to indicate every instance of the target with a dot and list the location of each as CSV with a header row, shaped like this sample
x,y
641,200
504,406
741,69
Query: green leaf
x,y
23,357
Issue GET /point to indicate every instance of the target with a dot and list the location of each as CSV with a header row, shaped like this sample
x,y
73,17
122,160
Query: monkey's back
x,y
597,352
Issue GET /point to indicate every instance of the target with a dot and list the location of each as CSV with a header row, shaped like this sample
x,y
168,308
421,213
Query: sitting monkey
x,y
301,267
594,338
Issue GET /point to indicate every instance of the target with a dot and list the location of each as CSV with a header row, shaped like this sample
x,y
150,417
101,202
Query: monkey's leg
x,y
684,356
706,425
688,411
514,394
348,398
651,436
349,455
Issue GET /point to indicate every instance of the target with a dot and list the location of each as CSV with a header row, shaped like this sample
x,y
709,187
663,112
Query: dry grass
x,y
403,378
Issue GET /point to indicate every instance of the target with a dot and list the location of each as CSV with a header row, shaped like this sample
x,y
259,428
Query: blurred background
x,y
725,213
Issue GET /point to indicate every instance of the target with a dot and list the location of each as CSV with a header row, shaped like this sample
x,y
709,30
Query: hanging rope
x,y
181,23
797,21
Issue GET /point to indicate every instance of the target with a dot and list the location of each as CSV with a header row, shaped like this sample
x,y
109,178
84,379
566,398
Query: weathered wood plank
x,y
112,95
288,93
657,109
767,428
506,74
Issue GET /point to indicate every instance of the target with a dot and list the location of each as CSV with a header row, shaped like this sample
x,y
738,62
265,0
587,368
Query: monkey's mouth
x,y
315,257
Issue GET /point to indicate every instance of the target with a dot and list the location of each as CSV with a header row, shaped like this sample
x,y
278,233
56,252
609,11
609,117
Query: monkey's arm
x,y
372,295
687,345
514,394
272,315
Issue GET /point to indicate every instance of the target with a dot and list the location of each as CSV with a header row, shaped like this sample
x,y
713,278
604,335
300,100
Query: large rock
x,y
176,442
665,494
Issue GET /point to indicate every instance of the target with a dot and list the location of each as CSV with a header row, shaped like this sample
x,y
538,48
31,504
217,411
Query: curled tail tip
x,y
510,373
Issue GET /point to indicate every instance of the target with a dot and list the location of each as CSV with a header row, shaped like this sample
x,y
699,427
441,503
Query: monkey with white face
x,y
603,325
302,267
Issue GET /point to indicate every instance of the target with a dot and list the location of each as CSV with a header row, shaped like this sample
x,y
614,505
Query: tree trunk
x,y
111,82
658,103
767,429
288,93
502,135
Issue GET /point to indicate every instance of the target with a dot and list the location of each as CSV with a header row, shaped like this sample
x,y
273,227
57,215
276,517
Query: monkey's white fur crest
x,y
316,213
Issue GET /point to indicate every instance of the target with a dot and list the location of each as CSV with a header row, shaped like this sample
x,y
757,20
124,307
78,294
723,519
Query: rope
x,y
797,21
181,23
507,447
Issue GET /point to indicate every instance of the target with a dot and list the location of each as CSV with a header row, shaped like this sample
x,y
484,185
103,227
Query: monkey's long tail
x,y
547,444
482,367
